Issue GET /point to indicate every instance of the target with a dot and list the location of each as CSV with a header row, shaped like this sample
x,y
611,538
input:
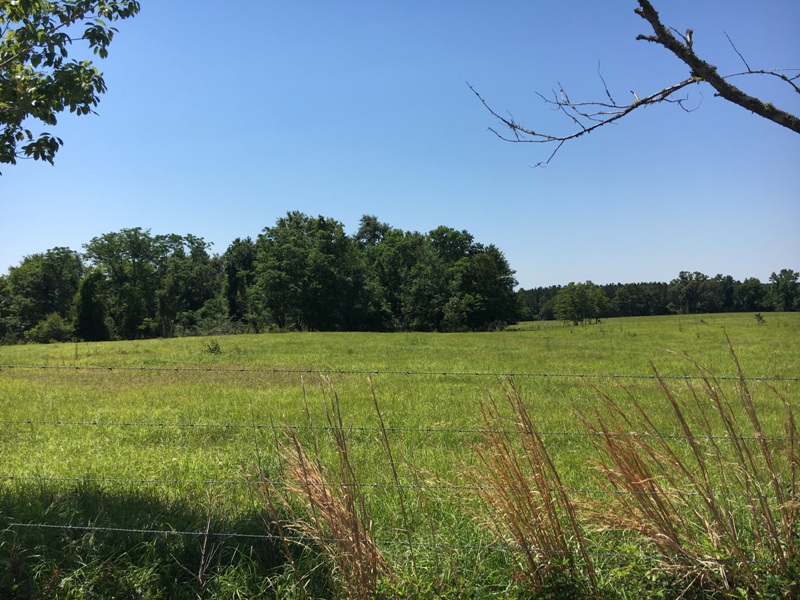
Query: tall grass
x,y
333,512
707,489
722,514
526,503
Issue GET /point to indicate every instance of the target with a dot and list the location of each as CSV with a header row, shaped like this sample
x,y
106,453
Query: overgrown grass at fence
x,y
156,455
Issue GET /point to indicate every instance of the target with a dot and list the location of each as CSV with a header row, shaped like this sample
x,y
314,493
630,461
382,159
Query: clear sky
x,y
222,116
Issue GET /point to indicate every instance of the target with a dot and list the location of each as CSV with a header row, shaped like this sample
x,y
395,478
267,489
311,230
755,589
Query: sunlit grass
x,y
425,383
163,418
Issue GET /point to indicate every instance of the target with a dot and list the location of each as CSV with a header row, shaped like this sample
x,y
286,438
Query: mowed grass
x,y
171,434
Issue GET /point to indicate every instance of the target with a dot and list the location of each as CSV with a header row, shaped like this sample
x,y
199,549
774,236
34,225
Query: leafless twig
x,y
589,116
595,115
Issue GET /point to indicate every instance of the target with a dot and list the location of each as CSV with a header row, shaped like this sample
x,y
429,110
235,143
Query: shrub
x,y
54,328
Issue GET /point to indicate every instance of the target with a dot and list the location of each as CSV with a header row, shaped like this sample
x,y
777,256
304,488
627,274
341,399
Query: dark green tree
x,y
751,296
53,328
392,262
581,303
657,294
426,288
7,319
189,280
538,302
440,281
440,296
725,293
304,274
481,291
41,285
572,304
785,290
37,78
307,274
714,295
378,302
450,244
686,292
90,309
130,260
630,300
239,265
371,231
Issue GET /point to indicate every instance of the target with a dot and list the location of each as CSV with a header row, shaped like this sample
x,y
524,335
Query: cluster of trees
x,y
689,293
305,273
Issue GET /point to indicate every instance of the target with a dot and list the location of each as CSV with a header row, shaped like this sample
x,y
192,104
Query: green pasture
x,y
170,434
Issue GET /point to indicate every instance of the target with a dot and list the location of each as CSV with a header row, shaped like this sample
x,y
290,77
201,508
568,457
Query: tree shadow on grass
x,y
90,541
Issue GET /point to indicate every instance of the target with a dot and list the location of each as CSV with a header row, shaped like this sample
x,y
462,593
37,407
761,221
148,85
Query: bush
x,y
54,328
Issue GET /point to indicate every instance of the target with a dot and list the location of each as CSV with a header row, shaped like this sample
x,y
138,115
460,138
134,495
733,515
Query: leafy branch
x,y
37,81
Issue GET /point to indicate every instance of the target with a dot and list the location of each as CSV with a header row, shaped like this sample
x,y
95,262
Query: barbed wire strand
x,y
146,368
376,485
306,539
365,429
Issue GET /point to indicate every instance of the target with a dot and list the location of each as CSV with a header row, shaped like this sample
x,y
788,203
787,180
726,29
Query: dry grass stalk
x,y
526,501
333,515
717,511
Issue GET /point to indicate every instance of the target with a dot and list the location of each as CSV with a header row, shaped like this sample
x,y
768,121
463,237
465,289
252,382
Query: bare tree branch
x,y
704,71
599,113
589,116
772,72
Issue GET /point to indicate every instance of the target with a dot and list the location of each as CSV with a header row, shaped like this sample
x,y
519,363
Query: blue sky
x,y
222,116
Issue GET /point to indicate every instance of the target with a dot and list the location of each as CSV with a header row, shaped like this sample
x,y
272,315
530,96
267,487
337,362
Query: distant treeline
x,y
689,293
304,273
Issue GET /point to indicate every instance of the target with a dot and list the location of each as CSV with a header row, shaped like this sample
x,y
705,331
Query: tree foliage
x,y
129,260
238,264
581,303
306,273
41,285
303,273
688,293
90,309
38,79
785,289
154,285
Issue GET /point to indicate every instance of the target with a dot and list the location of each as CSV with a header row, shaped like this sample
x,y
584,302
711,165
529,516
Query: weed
x,y
212,346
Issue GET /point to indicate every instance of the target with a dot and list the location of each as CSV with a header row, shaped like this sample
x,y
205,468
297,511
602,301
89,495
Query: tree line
x,y
304,273
689,293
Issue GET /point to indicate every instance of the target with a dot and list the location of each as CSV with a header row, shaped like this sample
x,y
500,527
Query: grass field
x,y
104,444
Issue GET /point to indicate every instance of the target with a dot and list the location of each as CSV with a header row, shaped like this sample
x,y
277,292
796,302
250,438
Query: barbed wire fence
x,y
272,428
494,374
